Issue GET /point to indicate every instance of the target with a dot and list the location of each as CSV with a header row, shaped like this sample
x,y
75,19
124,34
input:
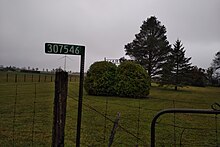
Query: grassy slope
x,y
93,123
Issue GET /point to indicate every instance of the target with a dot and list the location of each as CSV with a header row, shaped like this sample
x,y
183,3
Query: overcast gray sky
x,y
104,27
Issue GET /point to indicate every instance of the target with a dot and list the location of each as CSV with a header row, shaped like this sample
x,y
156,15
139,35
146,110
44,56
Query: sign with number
x,y
55,48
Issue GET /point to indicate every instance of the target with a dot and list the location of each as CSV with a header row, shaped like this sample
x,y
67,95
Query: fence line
x,y
131,126
139,120
21,115
33,122
109,119
172,103
106,112
216,129
18,77
15,103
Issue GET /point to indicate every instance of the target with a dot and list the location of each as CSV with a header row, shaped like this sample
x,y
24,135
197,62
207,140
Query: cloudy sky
x,y
104,27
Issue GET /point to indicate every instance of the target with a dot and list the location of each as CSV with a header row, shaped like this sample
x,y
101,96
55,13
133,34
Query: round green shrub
x,y
132,80
100,79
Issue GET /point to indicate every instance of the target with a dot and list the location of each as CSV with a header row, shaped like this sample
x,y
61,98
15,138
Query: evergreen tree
x,y
167,76
177,68
216,61
209,75
150,46
216,69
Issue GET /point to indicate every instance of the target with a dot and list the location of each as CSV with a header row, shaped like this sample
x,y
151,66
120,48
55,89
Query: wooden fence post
x,y
24,77
39,79
59,110
7,77
16,78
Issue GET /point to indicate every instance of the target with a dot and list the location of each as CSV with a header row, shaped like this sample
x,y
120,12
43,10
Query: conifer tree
x,y
177,68
216,61
150,46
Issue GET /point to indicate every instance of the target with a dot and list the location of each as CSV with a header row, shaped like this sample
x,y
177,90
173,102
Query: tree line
x,y
165,63
29,69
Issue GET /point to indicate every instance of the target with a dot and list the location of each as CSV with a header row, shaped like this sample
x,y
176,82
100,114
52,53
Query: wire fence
x,y
25,114
174,130
136,116
26,119
19,77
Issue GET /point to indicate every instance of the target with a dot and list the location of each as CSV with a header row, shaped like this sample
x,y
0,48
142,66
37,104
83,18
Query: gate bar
x,y
177,110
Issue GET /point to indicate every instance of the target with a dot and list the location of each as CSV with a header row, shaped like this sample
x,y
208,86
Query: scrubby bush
x,y
127,80
100,79
132,80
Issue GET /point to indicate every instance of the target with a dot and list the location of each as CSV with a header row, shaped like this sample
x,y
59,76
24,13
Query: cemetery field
x,y
26,116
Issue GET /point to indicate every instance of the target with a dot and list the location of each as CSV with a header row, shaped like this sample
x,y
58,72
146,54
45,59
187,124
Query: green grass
x,y
26,117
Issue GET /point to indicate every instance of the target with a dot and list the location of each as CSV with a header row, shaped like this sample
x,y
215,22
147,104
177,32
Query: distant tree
x,y
215,65
216,61
209,75
23,68
150,46
10,68
198,77
176,70
122,59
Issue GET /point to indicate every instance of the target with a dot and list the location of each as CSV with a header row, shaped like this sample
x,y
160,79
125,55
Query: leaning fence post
x,y
59,110
111,138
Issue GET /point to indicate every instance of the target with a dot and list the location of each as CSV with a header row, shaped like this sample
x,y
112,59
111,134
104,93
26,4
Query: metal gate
x,y
215,110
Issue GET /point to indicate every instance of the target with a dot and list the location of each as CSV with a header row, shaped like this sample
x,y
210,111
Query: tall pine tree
x,y
150,46
216,61
177,68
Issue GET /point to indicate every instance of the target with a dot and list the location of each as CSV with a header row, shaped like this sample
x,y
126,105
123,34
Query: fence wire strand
x,y
107,118
130,125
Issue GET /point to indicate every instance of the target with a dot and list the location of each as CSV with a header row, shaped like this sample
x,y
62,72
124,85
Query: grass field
x,y
26,116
